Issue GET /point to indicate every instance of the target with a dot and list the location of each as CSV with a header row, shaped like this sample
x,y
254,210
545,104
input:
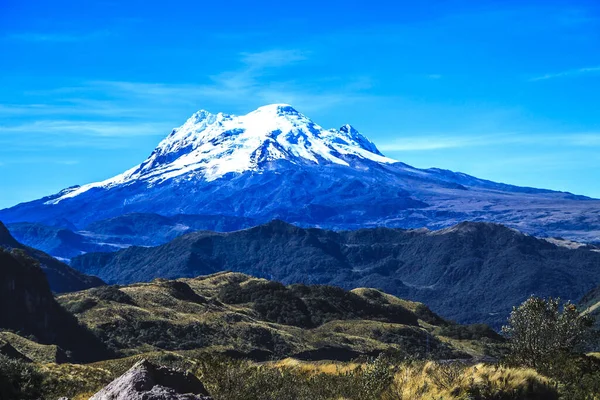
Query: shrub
x,y
538,331
79,307
18,380
111,293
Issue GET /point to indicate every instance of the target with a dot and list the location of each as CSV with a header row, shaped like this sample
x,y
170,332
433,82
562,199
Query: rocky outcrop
x,y
146,381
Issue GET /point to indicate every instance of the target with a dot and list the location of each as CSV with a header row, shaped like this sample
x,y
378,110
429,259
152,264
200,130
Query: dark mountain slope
x,y
452,270
61,277
29,308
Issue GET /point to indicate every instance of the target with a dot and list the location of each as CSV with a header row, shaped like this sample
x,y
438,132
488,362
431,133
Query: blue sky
x,y
503,90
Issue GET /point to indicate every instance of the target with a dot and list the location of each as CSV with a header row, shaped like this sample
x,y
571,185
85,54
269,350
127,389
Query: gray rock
x,y
146,381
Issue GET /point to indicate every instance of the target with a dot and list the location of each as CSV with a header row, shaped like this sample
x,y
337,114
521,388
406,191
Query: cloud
x,y
57,37
585,139
82,128
101,114
239,88
430,142
563,74
272,58
40,160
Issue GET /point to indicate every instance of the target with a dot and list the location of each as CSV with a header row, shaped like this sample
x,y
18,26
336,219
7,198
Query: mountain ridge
x,y
451,269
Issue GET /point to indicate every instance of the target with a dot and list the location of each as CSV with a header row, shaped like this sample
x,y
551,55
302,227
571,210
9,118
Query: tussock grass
x,y
451,381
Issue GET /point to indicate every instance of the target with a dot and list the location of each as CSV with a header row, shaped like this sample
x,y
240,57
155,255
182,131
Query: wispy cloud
x,y
255,82
273,58
40,160
85,128
564,74
430,142
585,139
93,112
57,37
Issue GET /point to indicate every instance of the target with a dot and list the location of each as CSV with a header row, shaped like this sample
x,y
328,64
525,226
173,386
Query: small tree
x,y
539,332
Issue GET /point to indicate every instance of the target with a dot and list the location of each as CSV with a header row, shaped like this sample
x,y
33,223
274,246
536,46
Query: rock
x,y
146,381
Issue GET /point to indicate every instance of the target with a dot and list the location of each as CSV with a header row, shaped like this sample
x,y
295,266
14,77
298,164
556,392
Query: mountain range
x,y
113,234
276,163
61,277
451,270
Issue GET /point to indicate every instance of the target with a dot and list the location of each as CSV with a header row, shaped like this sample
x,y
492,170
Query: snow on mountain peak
x,y
210,146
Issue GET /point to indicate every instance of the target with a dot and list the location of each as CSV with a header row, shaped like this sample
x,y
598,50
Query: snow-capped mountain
x,y
213,145
276,163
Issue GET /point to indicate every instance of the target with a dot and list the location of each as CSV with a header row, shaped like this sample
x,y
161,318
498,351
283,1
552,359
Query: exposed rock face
x,y
146,381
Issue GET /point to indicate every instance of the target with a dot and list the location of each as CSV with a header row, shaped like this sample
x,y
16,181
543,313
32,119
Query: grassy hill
x,y
242,316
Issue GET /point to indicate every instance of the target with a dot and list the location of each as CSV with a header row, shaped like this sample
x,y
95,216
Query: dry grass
x,y
324,367
438,381
71,379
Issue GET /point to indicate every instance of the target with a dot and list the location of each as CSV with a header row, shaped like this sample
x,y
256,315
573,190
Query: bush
x,y
543,337
79,307
18,380
538,331
111,293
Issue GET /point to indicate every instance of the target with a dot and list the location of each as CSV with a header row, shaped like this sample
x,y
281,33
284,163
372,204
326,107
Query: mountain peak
x,y
277,109
349,129
209,146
